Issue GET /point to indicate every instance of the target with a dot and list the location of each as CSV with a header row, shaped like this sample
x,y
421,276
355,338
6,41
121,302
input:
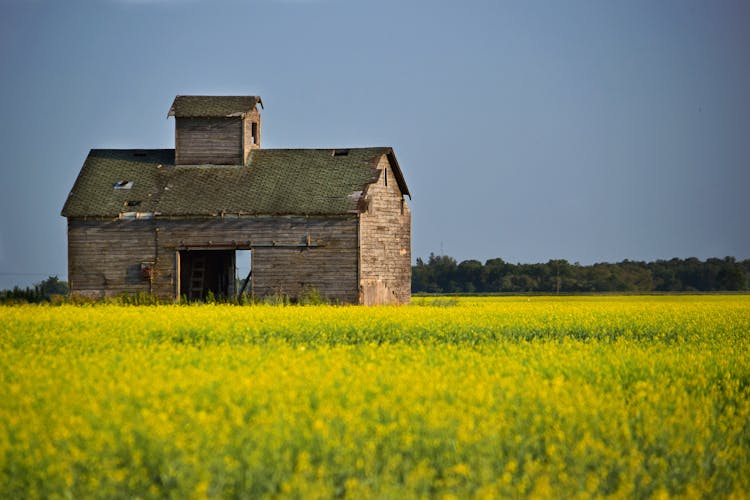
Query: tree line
x,y
443,274
44,291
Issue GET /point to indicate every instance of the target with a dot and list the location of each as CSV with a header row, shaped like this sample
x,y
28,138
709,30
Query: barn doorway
x,y
205,273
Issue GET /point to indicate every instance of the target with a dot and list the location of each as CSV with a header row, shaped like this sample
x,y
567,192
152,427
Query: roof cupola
x,y
215,130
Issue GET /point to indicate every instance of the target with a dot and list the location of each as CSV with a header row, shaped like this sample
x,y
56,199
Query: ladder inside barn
x,y
197,277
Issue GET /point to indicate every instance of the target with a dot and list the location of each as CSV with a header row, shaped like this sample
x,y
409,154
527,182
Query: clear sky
x,y
584,130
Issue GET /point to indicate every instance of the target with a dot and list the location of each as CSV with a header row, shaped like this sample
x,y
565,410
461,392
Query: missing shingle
x,y
123,184
340,152
132,203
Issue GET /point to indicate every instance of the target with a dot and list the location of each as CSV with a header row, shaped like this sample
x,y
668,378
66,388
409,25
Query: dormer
x,y
215,130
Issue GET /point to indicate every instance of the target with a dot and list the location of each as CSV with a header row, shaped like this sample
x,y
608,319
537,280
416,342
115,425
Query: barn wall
x,y
104,257
330,268
215,141
110,251
385,242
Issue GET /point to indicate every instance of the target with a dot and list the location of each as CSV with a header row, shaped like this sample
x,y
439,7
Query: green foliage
x,y
276,299
135,299
442,274
49,290
312,297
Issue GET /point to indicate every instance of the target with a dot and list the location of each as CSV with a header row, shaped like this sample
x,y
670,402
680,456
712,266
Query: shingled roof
x,y
201,106
274,182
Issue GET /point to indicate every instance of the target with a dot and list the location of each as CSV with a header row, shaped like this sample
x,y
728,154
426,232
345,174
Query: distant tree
x,y
444,269
664,276
493,272
559,269
421,277
731,276
635,276
40,292
53,286
692,275
469,276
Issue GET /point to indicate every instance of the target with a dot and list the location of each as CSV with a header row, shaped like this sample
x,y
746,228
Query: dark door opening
x,y
204,271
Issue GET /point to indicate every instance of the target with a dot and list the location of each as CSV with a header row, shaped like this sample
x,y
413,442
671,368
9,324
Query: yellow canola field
x,y
577,397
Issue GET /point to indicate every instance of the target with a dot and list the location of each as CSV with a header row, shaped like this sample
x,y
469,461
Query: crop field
x,y
574,397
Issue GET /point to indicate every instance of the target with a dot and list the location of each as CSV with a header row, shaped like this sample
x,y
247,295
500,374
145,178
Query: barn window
x,y
123,184
385,176
340,152
253,133
403,203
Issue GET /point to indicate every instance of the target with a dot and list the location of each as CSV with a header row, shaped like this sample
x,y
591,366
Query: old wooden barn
x,y
172,222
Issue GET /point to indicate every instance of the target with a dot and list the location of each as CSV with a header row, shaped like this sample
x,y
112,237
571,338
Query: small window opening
x,y
133,203
385,176
340,152
253,133
123,185
403,203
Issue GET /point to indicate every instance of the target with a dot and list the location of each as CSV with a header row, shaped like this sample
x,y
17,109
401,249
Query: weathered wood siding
x,y
385,242
104,255
214,141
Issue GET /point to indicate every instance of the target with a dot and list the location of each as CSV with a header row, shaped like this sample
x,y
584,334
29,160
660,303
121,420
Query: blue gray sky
x,y
584,130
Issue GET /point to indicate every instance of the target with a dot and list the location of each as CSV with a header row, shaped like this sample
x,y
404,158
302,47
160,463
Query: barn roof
x,y
202,106
274,182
